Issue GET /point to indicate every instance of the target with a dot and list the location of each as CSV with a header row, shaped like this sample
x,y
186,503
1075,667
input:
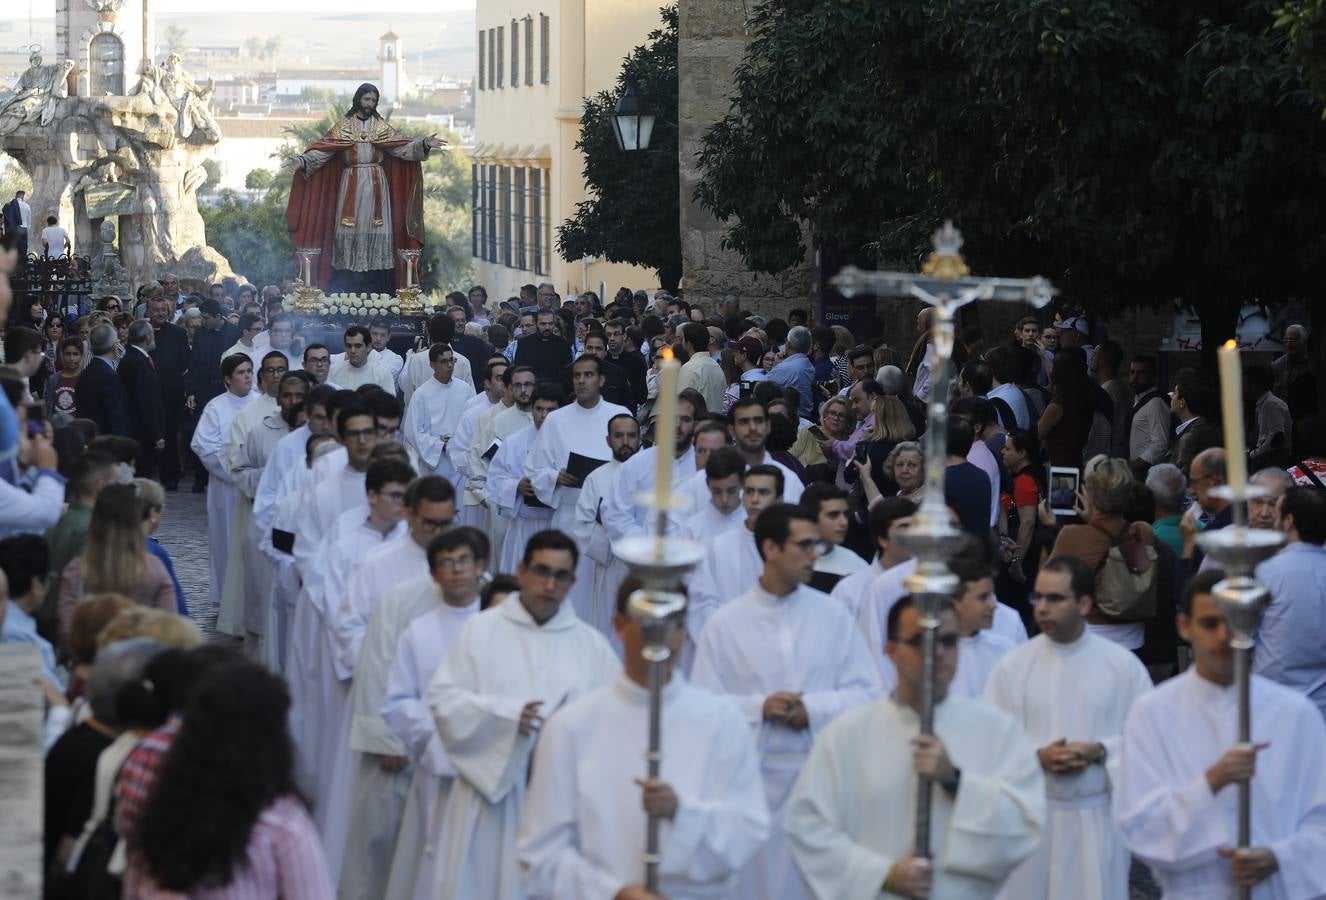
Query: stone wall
x,y
712,40
20,772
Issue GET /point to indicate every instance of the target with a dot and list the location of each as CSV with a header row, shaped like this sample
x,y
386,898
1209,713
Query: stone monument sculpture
x,y
358,193
98,149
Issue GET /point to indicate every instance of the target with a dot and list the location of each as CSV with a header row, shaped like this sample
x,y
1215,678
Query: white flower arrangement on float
x,y
347,304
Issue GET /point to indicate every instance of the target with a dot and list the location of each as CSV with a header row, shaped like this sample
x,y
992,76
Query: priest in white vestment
x,y
749,426
511,494
1071,691
458,449
355,369
391,585
979,647
433,416
622,516
793,660
828,504
209,443
495,426
851,817
417,368
887,517
1176,791
723,470
583,831
732,563
509,668
599,572
458,558
577,428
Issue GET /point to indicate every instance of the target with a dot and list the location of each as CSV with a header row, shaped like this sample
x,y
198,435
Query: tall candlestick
x,y
665,434
1231,400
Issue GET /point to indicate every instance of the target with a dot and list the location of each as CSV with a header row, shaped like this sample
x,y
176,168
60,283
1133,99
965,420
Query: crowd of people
x,y
428,683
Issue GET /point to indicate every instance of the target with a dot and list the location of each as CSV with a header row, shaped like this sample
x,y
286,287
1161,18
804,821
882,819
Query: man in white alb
x,y
723,471
748,423
494,427
828,504
979,646
583,831
574,430
1071,691
511,492
1176,789
887,517
356,369
622,516
209,443
379,334
600,572
456,561
458,449
434,414
793,660
509,668
851,817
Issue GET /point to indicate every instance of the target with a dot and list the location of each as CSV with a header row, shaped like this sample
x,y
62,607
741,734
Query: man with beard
x,y
622,516
371,172
748,422
599,572
494,426
544,351
616,389
628,360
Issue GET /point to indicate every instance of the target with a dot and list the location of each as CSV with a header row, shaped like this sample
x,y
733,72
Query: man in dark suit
x,y
474,349
629,360
544,351
172,358
616,389
209,342
100,393
142,387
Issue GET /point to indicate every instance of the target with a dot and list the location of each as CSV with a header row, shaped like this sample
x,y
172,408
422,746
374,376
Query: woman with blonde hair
x,y
115,558
837,424
1107,490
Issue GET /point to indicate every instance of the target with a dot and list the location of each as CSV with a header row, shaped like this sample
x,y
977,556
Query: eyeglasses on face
x,y
460,562
435,524
360,434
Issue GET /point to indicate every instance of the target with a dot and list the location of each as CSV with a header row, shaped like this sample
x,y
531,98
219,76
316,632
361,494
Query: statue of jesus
x,y
359,191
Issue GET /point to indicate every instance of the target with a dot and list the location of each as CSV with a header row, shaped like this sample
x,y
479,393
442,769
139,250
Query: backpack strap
x,y
1005,413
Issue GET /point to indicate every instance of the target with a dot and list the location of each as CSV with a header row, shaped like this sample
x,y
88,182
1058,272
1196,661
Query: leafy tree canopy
x,y
633,212
1133,152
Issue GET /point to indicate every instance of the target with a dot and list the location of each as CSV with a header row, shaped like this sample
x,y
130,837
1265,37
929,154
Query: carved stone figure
x,y
34,98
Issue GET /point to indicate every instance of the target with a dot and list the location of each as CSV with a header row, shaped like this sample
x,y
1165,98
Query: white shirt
x,y
622,516
1012,395
571,429
55,238
25,214
576,839
852,813
1150,435
1169,817
351,377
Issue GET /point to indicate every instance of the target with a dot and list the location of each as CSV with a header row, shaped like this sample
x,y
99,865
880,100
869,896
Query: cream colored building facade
x,y
538,60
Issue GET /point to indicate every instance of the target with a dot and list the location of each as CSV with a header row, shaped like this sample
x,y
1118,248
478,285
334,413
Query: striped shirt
x,y
285,861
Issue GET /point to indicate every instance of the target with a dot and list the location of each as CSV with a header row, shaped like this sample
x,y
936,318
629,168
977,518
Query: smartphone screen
x,y
1064,482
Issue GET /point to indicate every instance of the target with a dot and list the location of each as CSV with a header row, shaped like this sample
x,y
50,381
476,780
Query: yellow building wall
x,y
536,126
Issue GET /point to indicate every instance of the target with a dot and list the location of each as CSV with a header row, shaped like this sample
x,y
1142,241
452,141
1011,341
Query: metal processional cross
x,y
945,284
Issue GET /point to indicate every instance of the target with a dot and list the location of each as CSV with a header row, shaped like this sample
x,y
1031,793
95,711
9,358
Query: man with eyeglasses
x,y
319,695
848,821
378,764
510,491
1176,781
508,670
434,415
794,660
250,326
1205,475
495,425
432,611
317,363
1071,691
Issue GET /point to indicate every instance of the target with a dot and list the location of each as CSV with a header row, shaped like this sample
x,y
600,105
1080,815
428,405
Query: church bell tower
x,y
107,40
393,69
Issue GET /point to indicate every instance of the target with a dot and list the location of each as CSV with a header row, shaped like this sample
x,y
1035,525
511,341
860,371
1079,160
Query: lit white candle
x,y
1231,400
665,430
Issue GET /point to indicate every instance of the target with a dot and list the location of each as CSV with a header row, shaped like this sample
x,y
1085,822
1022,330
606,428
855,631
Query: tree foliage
x,y
1133,152
445,263
633,212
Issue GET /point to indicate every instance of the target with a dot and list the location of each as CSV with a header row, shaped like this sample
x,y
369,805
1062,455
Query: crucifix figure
x,y
947,285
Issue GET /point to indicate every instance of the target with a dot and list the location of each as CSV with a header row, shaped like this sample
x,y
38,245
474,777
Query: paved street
x,y
183,533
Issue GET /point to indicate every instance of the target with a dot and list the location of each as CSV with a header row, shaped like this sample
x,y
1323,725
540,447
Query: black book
x,y
492,449
581,466
533,501
824,581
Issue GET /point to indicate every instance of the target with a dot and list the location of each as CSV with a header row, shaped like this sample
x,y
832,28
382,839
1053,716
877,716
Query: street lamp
x,y
633,119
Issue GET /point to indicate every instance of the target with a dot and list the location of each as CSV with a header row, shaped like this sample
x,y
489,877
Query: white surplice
x,y
520,520
1169,817
378,797
598,572
705,526
419,651
730,568
418,369
328,492
250,464
289,453
378,571
1080,691
458,451
209,443
352,377
977,657
494,426
583,832
758,645
622,516
851,590
433,414
852,813
500,661
571,429
695,487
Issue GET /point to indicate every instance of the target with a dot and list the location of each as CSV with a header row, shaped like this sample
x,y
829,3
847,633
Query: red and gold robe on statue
x,y
358,195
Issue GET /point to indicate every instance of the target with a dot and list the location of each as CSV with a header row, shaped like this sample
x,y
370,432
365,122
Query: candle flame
x,y
666,353
1230,344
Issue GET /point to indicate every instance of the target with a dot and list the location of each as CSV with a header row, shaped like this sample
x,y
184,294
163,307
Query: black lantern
x,y
633,119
